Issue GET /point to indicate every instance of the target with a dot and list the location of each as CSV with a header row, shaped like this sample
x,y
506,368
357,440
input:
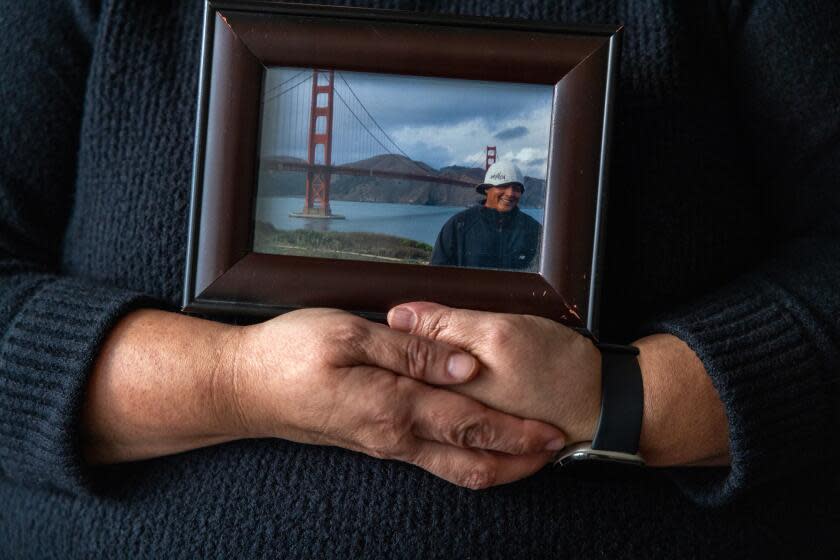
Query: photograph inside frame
x,y
402,169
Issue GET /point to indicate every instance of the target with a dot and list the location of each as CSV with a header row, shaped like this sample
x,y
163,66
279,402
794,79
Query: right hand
x,y
327,377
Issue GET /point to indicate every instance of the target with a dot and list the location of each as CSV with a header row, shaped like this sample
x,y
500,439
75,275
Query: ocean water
x,y
412,221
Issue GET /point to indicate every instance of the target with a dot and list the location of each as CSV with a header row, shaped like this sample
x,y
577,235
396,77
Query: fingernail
x,y
460,366
555,444
402,319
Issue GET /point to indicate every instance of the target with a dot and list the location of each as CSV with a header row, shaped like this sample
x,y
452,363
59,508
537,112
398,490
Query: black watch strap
x,y
622,400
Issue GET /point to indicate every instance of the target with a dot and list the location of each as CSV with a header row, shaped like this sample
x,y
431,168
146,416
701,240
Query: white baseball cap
x,y
501,173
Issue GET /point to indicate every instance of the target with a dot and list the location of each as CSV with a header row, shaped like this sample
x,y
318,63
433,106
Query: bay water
x,y
412,221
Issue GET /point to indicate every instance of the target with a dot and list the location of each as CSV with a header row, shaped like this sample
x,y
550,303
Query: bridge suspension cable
x,y
397,146
356,135
287,90
341,98
390,140
283,83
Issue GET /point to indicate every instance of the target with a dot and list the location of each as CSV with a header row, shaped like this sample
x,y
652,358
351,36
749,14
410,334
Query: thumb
x,y
458,327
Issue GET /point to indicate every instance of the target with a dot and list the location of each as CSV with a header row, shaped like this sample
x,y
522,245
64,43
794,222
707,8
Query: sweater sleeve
x,y
51,324
771,339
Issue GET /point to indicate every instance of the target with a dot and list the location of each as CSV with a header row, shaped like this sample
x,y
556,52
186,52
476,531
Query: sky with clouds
x,y
437,121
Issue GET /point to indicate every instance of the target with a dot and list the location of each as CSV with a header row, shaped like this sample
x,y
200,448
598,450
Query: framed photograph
x,y
359,159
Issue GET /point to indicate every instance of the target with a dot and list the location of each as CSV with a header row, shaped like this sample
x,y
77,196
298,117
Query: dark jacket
x,y
482,237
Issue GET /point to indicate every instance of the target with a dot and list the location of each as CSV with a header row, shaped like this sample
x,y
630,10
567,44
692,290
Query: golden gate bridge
x,y
321,111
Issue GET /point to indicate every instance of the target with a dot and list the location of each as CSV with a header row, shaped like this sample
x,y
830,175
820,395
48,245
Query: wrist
x,y
156,388
228,382
581,422
684,421
653,436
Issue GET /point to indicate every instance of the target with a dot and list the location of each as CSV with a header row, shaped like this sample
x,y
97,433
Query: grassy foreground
x,y
340,245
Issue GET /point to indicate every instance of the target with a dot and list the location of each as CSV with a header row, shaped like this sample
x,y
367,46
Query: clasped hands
x,y
473,397
476,398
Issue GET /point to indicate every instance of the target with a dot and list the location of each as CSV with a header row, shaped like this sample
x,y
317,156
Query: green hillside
x,y
340,245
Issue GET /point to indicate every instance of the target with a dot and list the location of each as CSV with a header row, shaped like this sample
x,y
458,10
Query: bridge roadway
x,y
277,165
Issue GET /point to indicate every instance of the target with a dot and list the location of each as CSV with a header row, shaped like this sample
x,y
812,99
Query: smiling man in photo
x,y
495,233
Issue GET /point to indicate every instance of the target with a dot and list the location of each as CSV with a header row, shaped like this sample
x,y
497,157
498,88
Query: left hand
x,y
535,368
530,366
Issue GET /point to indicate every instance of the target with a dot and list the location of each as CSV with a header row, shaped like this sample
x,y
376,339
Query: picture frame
x,y
242,39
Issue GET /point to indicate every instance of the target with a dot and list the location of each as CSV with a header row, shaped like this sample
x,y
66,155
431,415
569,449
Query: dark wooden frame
x,y
241,39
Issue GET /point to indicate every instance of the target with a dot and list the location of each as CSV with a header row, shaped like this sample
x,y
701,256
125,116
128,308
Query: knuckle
x,y
528,442
387,431
477,478
475,431
418,357
385,440
348,331
500,332
438,323
524,443
348,334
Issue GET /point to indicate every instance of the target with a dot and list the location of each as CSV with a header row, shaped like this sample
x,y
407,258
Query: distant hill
x,y
395,163
401,191
474,174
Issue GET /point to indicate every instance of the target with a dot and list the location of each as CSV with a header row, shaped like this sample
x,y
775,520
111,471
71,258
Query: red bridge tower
x,y
317,202
490,158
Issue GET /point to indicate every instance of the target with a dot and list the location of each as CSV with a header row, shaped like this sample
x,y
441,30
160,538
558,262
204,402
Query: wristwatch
x,y
616,438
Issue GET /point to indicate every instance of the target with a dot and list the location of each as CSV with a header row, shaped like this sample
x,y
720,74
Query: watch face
x,y
584,452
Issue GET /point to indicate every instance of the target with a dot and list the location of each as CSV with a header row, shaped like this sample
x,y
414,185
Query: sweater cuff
x,y
48,353
768,375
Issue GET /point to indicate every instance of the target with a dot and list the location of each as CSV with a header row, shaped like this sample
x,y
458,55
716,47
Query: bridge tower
x,y
317,202
490,157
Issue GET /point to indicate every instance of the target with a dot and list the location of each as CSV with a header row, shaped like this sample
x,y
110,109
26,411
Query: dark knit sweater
x,y
723,229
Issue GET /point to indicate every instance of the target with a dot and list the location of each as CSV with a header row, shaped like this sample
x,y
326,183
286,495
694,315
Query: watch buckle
x,y
584,452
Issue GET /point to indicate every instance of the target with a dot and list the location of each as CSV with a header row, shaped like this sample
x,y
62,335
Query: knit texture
x,y
723,230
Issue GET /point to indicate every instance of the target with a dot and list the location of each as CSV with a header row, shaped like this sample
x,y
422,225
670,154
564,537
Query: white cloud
x,y
466,141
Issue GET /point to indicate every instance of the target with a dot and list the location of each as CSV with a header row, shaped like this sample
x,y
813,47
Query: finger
x,y
450,418
459,327
413,356
473,468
